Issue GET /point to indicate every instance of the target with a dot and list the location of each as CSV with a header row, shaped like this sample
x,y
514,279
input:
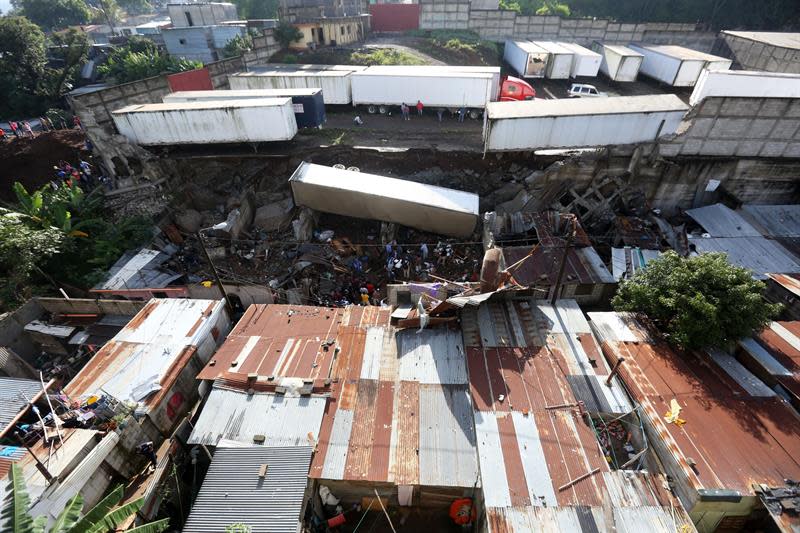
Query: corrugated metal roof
x,y
742,376
764,358
141,358
447,438
431,356
774,220
338,445
758,254
625,262
14,395
235,415
140,269
233,492
790,282
721,221
760,444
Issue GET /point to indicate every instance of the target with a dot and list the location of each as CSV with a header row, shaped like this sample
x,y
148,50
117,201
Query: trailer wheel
x,y
473,114
372,109
383,109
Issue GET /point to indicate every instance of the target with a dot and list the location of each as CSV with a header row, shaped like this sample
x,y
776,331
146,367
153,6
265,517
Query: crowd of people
x,y
405,113
21,129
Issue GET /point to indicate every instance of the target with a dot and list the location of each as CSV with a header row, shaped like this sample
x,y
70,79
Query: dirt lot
x,y
31,161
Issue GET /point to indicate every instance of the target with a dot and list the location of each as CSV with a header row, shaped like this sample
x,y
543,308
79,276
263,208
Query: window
x,y
313,34
592,91
349,30
182,41
341,30
189,21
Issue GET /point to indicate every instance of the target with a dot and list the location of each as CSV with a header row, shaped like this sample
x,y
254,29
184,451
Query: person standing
x,y
462,112
77,122
15,129
28,131
404,111
419,107
439,114
423,248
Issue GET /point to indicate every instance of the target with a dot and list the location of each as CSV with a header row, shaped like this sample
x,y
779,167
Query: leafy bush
x,y
125,65
238,46
290,58
698,301
63,234
384,56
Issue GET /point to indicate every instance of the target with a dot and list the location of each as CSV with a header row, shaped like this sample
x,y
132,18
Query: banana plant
x,y
102,518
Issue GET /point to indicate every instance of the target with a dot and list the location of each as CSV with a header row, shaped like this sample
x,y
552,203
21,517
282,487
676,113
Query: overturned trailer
x,y
585,122
230,121
361,195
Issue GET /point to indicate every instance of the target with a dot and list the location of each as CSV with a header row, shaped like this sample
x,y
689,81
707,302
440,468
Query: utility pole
x,y
567,245
228,304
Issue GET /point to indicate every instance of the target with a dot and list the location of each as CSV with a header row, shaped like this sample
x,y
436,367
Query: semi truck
x,y
677,66
381,88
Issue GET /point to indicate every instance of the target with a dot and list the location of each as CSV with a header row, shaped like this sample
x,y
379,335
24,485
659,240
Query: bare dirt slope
x,y
31,161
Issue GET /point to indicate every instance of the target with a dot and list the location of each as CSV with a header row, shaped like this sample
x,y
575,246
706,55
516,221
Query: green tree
x,y
286,34
102,517
125,65
54,14
551,7
238,46
106,12
22,66
136,7
698,301
71,47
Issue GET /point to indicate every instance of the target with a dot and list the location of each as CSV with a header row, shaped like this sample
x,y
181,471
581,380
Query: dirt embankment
x,y
31,161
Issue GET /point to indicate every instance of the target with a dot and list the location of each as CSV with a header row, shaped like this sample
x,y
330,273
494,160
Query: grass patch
x,y
457,47
346,56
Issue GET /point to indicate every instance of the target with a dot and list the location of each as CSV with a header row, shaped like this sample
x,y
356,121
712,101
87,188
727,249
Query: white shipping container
x,y
357,194
745,83
242,94
582,122
335,84
434,88
232,121
675,65
442,69
585,62
619,63
527,59
559,62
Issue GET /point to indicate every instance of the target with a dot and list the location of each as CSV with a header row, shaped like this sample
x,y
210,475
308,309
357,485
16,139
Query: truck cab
x,y
513,89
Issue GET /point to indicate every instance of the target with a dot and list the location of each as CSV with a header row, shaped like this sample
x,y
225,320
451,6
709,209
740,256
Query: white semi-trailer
x,y
676,65
581,122
745,84
335,83
618,62
382,87
585,62
559,60
526,58
231,121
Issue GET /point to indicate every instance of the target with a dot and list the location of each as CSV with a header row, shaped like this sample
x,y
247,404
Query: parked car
x,y
583,90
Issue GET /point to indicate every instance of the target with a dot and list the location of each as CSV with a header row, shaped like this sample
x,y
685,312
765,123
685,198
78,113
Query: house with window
x,y
331,31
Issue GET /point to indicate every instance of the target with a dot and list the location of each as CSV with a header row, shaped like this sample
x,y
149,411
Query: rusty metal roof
x,y
790,282
541,268
730,440
776,352
143,360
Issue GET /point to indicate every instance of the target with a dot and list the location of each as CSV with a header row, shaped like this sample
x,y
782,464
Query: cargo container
x,y
585,63
582,122
232,121
439,69
356,194
527,59
309,109
675,65
335,84
559,60
381,87
745,83
619,63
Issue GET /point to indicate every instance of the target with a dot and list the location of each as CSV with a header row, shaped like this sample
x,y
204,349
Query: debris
x,y
272,217
673,415
189,220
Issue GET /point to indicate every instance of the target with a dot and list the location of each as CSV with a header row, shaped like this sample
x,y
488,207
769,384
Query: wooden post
x,y
228,305
615,370
562,266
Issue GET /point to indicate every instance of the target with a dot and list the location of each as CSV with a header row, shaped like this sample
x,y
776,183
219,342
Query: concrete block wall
x,y
754,55
444,14
495,24
740,127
